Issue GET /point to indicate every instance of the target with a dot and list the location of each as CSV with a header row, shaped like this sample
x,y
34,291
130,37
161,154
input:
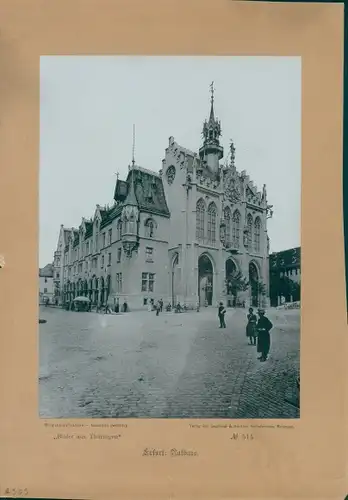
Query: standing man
x,y
264,325
251,332
221,315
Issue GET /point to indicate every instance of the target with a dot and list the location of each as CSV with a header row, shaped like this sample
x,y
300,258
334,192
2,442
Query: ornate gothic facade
x,y
192,232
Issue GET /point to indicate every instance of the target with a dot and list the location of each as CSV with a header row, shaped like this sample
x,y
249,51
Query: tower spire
x,y
212,90
211,150
133,147
131,198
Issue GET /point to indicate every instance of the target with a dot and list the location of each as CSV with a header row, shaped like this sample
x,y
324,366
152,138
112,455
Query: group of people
x,y
257,329
99,307
178,308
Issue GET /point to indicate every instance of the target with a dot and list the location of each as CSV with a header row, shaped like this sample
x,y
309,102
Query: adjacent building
x,y
285,276
181,234
46,284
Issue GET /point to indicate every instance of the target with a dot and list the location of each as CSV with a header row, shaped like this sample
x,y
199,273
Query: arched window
x,y
212,223
250,231
236,229
119,229
149,228
200,219
227,218
257,231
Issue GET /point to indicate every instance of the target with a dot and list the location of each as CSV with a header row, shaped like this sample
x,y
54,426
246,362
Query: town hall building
x,y
193,232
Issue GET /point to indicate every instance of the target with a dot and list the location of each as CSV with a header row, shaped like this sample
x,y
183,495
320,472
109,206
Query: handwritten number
x,y
16,492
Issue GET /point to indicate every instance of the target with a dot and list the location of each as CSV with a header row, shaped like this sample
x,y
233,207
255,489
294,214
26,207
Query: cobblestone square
x,y
140,365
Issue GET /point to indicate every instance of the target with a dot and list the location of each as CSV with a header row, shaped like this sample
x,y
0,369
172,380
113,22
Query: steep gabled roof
x,y
66,233
110,214
149,191
89,229
76,237
47,271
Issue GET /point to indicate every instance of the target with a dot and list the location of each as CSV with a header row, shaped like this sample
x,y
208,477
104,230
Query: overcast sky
x,y
89,105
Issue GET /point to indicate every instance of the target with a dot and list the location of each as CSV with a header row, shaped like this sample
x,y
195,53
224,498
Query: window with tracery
x,y
257,234
212,223
236,229
250,231
200,219
149,228
227,218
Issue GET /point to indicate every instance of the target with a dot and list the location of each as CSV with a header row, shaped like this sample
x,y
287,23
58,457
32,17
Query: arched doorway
x,y
90,288
107,288
102,290
231,289
175,279
205,280
253,280
95,289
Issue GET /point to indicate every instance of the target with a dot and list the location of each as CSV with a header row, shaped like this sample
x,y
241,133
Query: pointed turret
x,y
211,151
131,199
130,214
212,116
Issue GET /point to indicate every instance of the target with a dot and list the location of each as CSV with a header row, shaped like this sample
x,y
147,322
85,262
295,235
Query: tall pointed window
x,y
227,218
212,223
250,231
119,229
236,229
200,219
257,231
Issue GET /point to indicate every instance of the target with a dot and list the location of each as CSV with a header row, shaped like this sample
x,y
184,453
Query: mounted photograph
x,y
169,246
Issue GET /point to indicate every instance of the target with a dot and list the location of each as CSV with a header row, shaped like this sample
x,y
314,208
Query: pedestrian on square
x,y
264,325
161,304
221,315
158,308
251,327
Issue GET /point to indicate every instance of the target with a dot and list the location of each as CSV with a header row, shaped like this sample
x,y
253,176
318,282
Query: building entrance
x,y
205,280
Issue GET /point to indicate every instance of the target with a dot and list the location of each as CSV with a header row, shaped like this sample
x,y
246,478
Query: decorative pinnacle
x,y
233,153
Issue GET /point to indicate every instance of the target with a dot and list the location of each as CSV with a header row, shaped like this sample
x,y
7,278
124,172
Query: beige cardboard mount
x,y
308,461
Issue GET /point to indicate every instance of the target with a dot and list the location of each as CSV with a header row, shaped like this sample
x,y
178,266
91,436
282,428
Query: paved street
x,y
173,365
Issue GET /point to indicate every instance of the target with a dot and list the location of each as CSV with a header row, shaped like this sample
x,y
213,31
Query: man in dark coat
x,y
221,315
264,325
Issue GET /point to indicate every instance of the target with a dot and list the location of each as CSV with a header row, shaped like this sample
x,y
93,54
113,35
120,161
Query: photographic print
x,y
170,264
